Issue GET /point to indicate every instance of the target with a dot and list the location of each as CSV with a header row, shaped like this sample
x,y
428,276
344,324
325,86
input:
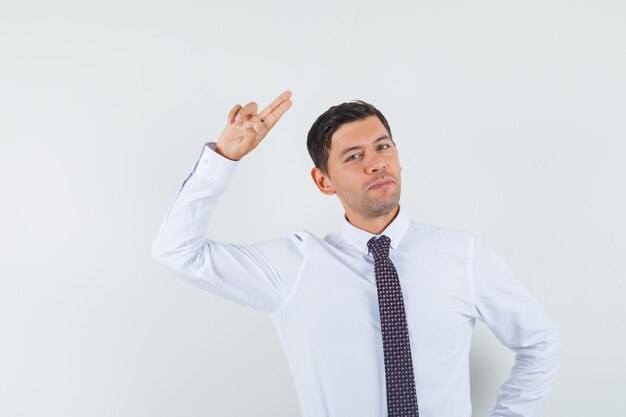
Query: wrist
x,y
220,151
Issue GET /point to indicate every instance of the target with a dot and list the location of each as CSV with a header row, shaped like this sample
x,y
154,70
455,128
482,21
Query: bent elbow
x,y
166,254
182,258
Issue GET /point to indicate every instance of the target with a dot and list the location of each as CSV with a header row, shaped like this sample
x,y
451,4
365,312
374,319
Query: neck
x,y
374,225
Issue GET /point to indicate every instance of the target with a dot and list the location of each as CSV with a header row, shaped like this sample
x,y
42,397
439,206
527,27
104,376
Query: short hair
x,y
321,132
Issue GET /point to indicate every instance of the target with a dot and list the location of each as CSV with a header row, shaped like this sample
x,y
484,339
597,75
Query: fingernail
x,y
247,124
238,118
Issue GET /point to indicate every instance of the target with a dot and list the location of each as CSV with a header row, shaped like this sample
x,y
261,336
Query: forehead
x,y
358,132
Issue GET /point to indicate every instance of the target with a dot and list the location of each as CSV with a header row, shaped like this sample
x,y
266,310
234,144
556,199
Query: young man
x,y
375,320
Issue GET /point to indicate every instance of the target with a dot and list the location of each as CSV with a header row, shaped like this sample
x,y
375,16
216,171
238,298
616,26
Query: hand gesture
x,y
246,128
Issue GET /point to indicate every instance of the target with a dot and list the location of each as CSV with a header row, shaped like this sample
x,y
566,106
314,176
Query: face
x,y
363,169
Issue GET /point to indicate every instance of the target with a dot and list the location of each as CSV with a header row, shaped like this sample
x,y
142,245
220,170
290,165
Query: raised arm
x,y
258,275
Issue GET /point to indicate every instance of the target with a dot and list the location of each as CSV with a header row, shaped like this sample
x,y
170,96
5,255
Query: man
x,y
375,320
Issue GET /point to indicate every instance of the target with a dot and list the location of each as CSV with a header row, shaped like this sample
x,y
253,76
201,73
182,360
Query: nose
x,y
376,164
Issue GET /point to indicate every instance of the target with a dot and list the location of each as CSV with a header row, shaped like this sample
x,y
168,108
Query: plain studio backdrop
x,y
509,119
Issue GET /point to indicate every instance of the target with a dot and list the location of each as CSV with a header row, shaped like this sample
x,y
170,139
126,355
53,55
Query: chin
x,y
383,207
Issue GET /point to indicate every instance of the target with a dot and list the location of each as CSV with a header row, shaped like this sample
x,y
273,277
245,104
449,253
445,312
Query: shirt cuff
x,y
214,167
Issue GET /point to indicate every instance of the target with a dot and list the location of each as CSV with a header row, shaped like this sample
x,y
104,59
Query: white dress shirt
x,y
321,295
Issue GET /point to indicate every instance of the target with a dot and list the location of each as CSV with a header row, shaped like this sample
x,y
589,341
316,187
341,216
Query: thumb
x,y
257,124
250,132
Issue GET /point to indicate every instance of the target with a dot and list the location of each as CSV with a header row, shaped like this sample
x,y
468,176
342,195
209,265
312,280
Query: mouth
x,y
381,184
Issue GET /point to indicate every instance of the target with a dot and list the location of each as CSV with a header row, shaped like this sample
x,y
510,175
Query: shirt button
x,y
204,161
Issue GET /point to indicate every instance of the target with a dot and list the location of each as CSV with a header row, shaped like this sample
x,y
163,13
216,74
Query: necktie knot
x,y
379,247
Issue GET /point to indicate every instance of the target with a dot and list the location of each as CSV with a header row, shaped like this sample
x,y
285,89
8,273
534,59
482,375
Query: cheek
x,y
348,183
396,163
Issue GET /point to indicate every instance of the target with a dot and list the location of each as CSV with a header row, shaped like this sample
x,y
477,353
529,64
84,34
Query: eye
x,y
350,158
384,144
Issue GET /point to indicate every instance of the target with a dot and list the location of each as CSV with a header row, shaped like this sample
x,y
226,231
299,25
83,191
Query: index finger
x,y
276,109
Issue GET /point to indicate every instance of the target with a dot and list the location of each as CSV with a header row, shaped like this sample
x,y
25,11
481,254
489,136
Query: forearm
x,y
182,230
531,377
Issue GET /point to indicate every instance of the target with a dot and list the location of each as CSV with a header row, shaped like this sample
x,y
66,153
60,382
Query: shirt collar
x,y
359,237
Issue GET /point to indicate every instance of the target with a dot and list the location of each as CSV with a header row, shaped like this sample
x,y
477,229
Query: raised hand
x,y
245,128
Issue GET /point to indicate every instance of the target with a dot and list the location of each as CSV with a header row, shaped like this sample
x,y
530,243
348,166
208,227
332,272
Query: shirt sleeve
x,y
258,275
519,322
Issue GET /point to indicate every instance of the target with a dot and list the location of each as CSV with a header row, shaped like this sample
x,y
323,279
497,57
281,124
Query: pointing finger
x,y
271,119
274,104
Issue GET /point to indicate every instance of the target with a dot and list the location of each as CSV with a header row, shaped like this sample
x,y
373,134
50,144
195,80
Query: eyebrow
x,y
345,151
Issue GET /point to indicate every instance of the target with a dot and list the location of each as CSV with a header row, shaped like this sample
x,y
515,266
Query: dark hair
x,y
319,138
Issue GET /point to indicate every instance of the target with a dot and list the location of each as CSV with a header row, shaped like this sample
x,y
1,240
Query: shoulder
x,y
302,235
308,238
436,234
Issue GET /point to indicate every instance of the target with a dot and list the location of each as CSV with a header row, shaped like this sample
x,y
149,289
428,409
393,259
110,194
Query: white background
x,y
509,119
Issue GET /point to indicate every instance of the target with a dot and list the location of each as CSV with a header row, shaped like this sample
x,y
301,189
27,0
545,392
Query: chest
x,y
337,296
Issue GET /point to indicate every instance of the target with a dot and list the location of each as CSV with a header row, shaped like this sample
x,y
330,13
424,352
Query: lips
x,y
381,183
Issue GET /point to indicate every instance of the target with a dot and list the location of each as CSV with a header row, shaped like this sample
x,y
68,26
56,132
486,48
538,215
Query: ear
x,y
322,181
